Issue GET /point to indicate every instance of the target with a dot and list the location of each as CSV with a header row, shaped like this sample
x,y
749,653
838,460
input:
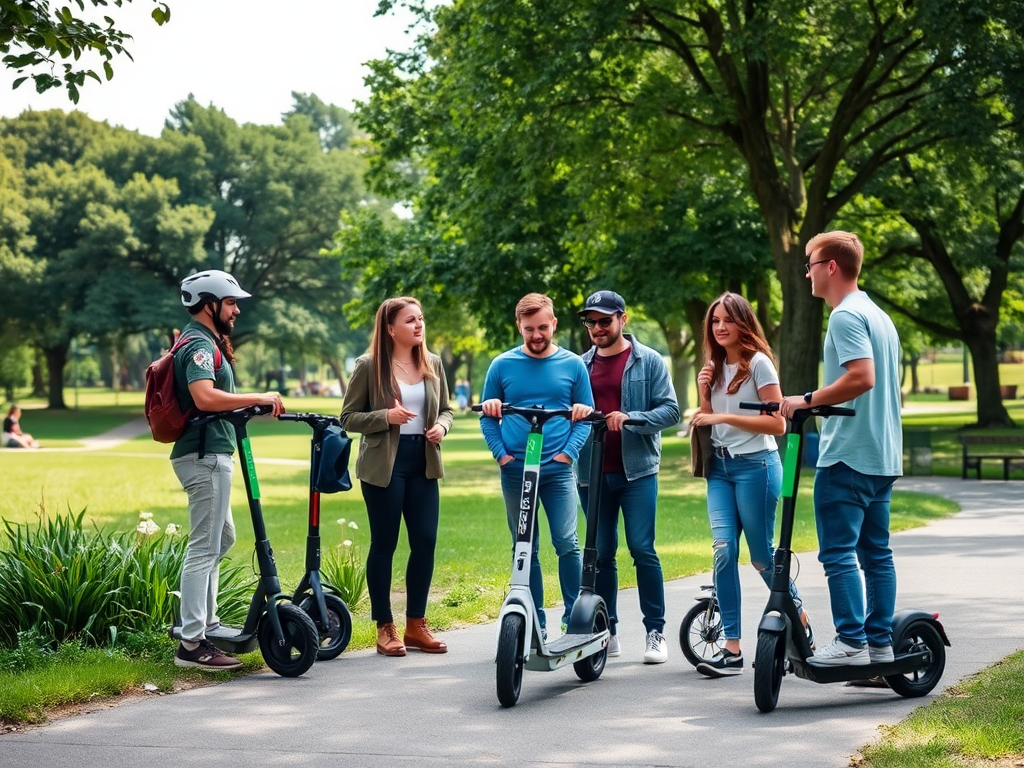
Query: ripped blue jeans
x,y
743,493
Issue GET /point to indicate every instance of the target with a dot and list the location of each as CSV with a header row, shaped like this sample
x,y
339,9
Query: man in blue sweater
x,y
539,373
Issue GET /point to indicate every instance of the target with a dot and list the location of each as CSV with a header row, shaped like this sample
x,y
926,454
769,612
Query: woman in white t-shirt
x,y
744,474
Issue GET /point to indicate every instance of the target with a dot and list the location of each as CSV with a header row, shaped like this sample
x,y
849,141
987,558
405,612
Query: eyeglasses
x,y
809,264
604,322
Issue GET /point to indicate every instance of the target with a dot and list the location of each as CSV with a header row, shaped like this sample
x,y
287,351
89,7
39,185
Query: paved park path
x,y
429,711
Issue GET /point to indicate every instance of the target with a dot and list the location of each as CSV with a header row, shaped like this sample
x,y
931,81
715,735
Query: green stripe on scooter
x,y
254,484
533,448
789,465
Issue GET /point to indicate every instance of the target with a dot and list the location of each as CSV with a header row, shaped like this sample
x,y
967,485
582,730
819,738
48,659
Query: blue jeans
x,y
743,492
556,492
211,532
638,501
851,511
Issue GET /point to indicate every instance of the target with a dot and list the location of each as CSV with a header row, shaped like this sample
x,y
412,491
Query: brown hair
x,y
382,347
752,339
531,304
844,248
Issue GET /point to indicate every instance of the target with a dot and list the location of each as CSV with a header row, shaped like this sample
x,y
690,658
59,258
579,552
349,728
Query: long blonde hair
x,y
752,339
382,348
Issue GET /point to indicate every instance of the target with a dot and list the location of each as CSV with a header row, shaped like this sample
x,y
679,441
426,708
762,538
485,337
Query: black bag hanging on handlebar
x,y
332,473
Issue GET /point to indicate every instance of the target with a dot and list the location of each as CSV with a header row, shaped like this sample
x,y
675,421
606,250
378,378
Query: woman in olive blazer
x,y
398,400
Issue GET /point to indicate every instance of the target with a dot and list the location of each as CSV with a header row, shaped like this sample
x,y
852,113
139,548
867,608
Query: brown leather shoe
x,y
388,643
419,638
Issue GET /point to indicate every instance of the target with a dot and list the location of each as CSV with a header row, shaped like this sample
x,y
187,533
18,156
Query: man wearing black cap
x,y
630,381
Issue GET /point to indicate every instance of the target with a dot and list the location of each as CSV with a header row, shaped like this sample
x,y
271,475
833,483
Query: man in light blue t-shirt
x,y
860,456
539,373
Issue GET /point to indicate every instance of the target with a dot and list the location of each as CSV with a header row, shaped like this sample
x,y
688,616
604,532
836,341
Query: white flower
x,y
341,521
353,526
172,529
347,543
147,528
145,515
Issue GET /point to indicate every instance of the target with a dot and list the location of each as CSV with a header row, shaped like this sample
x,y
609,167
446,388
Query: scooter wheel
x,y
336,632
768,669
919,636
509,661
590,668
301,641
701,635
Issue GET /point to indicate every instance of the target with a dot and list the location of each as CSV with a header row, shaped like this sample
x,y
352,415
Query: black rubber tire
x,y
590,668
299,652
509,661
918,636
769,665
701,635
334,638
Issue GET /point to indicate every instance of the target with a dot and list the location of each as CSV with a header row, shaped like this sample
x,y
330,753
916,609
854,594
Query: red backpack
x,y
164,414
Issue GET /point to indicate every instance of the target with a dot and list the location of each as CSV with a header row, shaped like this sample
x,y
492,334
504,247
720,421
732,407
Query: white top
x,y
414,398
740,441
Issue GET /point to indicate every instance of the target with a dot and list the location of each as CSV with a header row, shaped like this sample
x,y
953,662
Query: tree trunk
x,y
56,359
38,382
800,336
915,374
991,411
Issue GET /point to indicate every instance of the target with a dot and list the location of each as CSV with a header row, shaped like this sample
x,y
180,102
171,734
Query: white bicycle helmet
x,y
210,284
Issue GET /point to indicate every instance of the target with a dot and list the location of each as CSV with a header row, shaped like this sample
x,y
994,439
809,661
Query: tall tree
x,y
814,101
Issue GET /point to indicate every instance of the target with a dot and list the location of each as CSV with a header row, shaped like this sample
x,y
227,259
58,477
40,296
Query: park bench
x,y
979,448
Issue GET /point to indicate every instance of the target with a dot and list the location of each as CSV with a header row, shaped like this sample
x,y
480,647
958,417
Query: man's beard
x,y
223,328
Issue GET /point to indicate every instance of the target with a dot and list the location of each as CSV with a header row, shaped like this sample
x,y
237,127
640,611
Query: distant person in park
x,y
211,297
462,395
398,400
630,381
859,457
744,475
539,373
13,436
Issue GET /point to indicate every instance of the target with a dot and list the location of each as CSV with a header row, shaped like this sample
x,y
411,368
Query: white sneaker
x,y
657,648
839,654
614,649
881,655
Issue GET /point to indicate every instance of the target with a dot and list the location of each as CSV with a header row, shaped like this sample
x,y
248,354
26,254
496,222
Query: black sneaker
x,y
206,656
722,664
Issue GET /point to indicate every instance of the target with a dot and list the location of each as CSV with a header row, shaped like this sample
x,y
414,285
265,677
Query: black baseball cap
x,y
605,302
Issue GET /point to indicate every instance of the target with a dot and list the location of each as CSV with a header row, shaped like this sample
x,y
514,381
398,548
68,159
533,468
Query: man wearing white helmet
x,y
204,379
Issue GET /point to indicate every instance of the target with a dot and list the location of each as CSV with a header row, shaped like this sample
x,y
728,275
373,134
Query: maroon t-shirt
x,y
606,381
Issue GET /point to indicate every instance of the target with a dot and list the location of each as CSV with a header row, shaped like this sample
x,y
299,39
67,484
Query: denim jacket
x,y
647,394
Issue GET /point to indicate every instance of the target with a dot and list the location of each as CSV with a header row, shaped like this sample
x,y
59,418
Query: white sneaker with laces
x,y
881,655
657,648
839,654
614,649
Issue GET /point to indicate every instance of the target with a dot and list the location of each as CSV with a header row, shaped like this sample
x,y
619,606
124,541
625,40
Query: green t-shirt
x,y
194,361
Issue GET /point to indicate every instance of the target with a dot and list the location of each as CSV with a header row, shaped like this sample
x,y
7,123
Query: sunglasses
x,y
604,322
809,264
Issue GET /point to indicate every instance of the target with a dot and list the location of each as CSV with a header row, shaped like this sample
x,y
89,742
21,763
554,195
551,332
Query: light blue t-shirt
x,y
556,381
872,441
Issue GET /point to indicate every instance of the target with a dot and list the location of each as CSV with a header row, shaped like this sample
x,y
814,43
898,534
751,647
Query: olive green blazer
x,y
364,412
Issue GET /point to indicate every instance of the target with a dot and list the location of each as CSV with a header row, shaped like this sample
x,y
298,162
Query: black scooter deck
x,y
901,665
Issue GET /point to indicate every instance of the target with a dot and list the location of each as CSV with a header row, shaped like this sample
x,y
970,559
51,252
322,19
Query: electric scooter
x,y
286,635
521,642
918,639
319,599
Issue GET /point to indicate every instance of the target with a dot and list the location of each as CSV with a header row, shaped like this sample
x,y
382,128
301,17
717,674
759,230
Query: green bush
x,y
60,583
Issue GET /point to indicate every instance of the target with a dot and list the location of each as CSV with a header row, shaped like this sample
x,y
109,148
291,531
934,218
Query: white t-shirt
x,y
414,398
740,441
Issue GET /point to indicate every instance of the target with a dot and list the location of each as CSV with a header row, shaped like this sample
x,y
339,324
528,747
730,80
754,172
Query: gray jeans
x,y
207,481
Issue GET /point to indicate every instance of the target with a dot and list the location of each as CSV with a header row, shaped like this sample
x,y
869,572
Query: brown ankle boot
x,y
419,638
388,643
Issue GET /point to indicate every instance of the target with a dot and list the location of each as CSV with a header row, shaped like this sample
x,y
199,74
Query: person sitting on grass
x,y
13,436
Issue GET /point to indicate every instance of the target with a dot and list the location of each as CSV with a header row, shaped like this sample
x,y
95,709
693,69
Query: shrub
x,y
344,570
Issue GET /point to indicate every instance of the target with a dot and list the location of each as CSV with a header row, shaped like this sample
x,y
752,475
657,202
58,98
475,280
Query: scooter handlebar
x,y
529,412
312,419
817,410
238,414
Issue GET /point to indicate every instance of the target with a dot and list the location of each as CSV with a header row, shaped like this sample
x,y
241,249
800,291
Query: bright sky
x,y
244,56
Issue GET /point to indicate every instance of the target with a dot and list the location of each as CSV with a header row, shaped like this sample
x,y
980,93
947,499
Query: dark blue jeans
x,y
412,495
638,501
851,511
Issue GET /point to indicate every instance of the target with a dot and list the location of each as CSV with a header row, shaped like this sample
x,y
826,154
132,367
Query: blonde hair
x,y
382,348
531,304
752,339
844,248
